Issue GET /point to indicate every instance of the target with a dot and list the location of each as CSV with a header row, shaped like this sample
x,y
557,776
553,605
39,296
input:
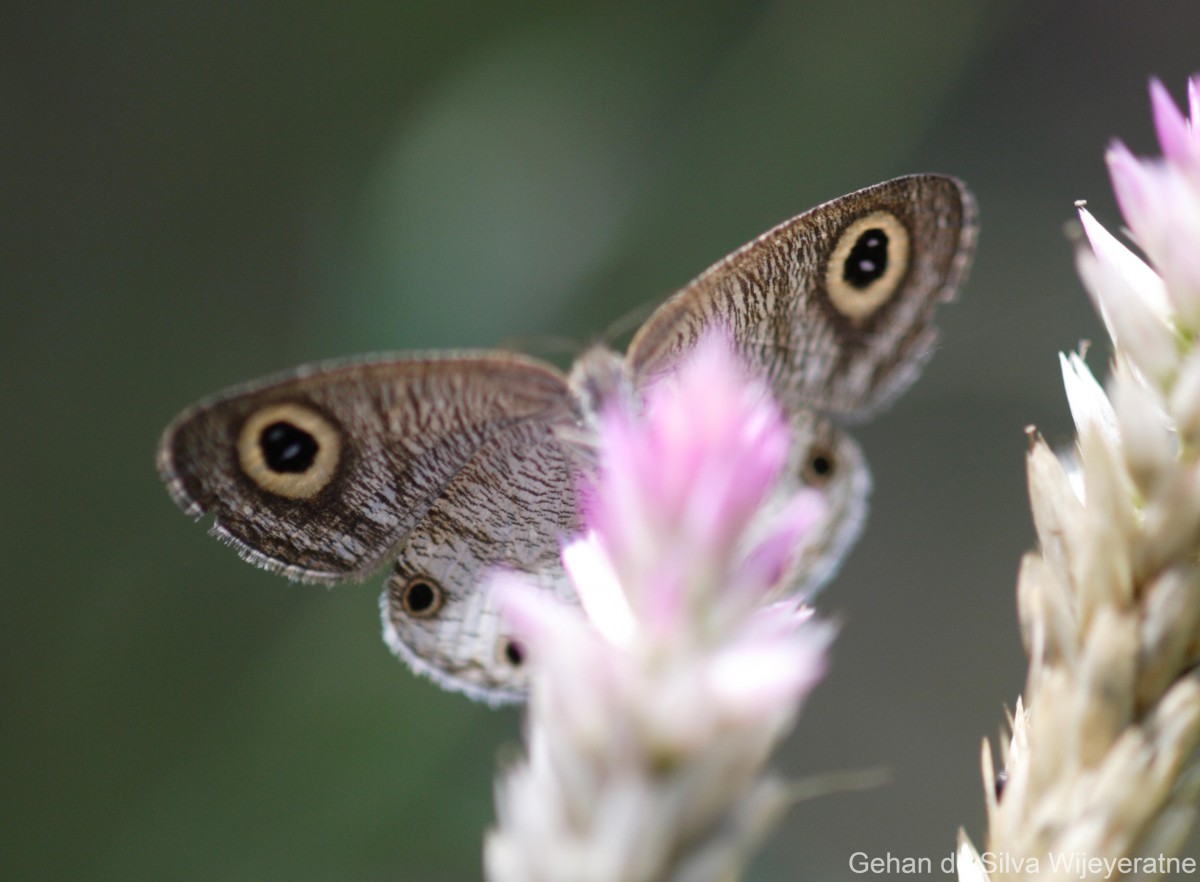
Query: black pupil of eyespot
x,y
514,653
420,596
287,448
868,259
821,465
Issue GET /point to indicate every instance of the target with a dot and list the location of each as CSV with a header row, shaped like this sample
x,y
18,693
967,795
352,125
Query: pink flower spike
x,y
679,485
653,712
1161,204
720,441
1173,135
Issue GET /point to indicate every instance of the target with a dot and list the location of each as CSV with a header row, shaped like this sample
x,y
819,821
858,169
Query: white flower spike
x,y
1101,774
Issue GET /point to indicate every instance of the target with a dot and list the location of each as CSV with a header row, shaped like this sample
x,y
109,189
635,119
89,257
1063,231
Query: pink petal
x,y
1129,185
576,675
1172,128
759,676
599,590
1161,204
767,562
679,485
539,619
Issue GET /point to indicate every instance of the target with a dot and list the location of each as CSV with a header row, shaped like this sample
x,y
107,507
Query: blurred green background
x,y
194,194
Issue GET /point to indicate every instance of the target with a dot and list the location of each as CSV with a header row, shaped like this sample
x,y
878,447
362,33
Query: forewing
x,y
836,320
322,473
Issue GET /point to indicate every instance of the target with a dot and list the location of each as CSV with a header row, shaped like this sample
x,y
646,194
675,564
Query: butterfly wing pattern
x,y
449,466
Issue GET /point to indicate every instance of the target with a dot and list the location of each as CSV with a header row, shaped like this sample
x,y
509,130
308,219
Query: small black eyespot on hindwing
x,y
421,597
286,448
868,259
514,653
820,466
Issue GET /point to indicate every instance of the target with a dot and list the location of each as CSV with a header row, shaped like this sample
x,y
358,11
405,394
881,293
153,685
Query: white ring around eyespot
x,y
298,485
859,304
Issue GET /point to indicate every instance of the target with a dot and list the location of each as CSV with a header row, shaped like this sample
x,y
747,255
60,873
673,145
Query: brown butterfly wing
x,y
509,508
836,305
323,473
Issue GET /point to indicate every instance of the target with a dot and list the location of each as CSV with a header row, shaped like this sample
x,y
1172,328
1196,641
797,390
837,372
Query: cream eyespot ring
x,y
422,597
289,450
867,265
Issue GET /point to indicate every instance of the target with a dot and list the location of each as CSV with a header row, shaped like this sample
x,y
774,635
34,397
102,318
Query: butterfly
x,y
445,466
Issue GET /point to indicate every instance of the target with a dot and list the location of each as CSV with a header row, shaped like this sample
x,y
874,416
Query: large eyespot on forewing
x,y
289,449
869,261
836,306
321,473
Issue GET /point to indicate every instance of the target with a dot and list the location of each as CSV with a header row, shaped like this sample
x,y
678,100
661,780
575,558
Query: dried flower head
x,y
1101,776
